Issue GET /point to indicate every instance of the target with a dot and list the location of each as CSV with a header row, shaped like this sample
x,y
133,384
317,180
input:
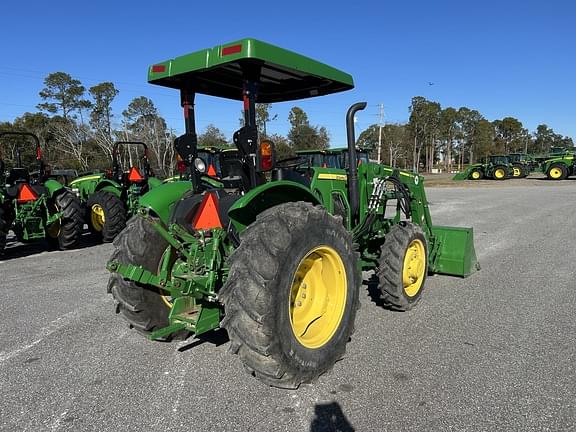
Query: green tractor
x,y
110,198
522,164
495,167
559,167
274,256
36,207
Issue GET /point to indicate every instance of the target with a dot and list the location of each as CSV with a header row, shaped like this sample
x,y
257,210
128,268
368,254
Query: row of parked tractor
x,y
558,164
269,250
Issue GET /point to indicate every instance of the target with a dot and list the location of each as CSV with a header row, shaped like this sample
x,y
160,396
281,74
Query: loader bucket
x,y
464,175
453,252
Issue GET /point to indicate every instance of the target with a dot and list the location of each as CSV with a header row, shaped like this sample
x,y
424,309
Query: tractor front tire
x,y
403,266
476,174
292,294
557,172
142,306
106,215
65,233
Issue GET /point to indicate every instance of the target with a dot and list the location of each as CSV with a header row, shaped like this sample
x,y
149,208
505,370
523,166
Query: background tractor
x,y
35,207
110,198
274,255
494,167
559,167
522,164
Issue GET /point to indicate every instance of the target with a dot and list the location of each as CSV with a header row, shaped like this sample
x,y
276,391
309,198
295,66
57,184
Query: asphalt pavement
x,y
495,351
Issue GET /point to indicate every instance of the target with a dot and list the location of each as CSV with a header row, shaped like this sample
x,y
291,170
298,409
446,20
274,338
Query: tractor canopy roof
x,y
281,75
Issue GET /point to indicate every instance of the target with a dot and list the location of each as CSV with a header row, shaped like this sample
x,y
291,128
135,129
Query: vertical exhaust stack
x,y
353,194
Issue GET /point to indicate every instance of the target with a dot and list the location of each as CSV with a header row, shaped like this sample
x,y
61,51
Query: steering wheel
x,y
291,162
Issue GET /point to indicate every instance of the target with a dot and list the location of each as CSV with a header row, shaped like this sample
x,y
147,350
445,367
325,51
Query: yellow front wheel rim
x,y
414,268
318,297
499,173
516,172
555,173
475,175
97,217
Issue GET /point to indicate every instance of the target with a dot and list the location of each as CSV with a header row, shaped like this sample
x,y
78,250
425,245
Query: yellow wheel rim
x,y
54,229
318,297
516,172
499,173
97,217
475,175
414,268
555,173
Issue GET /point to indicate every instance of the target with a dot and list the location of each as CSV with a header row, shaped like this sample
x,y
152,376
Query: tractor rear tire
x,y
557,171
3,231
403,266
69,228
283,336
520,171
142,306
106,215
500,173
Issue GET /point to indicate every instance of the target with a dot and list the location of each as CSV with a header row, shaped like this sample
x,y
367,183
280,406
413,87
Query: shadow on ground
x,y
330,418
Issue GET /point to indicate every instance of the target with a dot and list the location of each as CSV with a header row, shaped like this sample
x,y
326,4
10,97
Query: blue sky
x,y
505,58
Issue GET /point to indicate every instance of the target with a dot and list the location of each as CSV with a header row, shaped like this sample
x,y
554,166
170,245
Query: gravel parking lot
x,y
495,351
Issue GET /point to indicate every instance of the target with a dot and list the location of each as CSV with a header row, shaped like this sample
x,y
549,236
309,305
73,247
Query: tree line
x,y
448,138
77,128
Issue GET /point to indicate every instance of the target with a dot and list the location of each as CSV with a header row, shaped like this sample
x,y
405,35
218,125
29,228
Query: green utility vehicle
x,y
559,167
110,198
35,208
275,255
496,167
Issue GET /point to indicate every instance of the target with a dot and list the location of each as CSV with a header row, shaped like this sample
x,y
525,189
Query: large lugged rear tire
x,y
292,294
106,215
142,306
403,266
500,173
65,233
557,171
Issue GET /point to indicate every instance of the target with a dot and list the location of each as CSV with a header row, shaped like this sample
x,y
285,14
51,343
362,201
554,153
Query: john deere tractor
x,y
559,167
274,256
110,198
522,164
35,207
494,167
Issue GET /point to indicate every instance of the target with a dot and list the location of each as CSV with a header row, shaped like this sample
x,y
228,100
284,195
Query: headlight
x,y
76,192
200,165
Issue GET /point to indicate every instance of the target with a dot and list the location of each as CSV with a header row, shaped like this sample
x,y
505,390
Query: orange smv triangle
x,y
212,171
26,194
134,175
207,216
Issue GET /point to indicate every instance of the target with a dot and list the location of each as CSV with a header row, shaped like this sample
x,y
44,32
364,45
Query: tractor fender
x,y
244,211
53,187
162,198
154,182
109,186
564,161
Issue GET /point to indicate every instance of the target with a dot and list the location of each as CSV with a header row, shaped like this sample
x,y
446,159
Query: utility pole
x,y
380,124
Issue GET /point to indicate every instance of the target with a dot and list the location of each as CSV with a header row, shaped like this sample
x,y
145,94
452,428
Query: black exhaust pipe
x,y
353,194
